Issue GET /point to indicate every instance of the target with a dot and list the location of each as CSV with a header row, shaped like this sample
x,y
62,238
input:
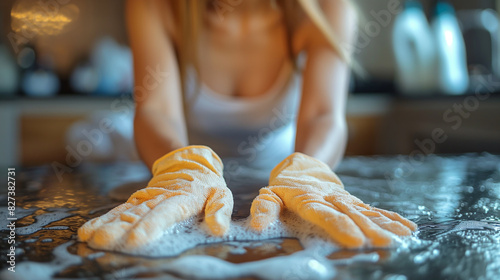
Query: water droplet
x,y
418,259
395,277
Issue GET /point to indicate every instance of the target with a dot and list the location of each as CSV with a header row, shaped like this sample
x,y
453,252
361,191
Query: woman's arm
x,y
321,125
159,124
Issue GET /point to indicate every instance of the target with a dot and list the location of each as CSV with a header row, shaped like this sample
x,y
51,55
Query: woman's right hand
x,y
185,183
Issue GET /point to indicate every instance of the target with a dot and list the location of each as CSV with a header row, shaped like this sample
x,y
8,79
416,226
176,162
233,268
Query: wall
x,y
95,19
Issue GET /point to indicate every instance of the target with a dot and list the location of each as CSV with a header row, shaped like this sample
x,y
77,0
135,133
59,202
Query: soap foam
x,y
19,214
190,233
310,263
43,220
29,270
300,265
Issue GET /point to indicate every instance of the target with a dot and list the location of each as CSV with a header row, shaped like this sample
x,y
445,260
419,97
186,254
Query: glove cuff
x,y
299,164
200,154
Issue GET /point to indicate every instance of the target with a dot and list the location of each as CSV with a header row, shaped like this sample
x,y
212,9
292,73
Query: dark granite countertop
x,y
455,200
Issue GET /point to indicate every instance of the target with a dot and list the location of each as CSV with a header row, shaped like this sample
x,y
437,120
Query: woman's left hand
x,y
309,188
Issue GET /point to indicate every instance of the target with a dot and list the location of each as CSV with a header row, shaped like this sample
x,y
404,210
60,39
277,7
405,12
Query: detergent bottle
x,y
451,61
414,51
481,31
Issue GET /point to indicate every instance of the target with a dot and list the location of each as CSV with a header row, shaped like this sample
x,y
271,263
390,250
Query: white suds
x,y
20,213
193,232
310,263
43,220
34,270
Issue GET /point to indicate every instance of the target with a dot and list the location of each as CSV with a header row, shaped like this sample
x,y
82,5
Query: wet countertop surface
x,y
455,200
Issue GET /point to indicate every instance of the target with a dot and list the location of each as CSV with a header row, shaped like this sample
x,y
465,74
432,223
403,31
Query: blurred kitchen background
x,y
429,80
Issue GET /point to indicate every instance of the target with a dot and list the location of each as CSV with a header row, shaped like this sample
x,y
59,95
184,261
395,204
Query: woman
x,y
240,55
233,73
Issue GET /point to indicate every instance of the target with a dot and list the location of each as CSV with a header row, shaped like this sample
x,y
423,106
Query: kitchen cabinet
x,y
468,123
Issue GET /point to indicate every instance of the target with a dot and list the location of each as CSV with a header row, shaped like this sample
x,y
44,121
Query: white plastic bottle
x,y
452,76
413,45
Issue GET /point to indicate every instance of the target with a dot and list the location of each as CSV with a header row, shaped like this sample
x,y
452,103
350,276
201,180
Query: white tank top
x,y
255,133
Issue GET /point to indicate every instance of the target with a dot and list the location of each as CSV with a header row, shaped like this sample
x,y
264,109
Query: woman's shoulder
x,y
339,16
162,12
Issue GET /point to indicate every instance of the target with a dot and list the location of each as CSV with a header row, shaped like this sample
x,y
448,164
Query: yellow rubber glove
x,y
309,188
185,182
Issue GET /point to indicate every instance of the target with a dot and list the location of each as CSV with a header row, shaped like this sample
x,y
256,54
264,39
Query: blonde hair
x,y
189,16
